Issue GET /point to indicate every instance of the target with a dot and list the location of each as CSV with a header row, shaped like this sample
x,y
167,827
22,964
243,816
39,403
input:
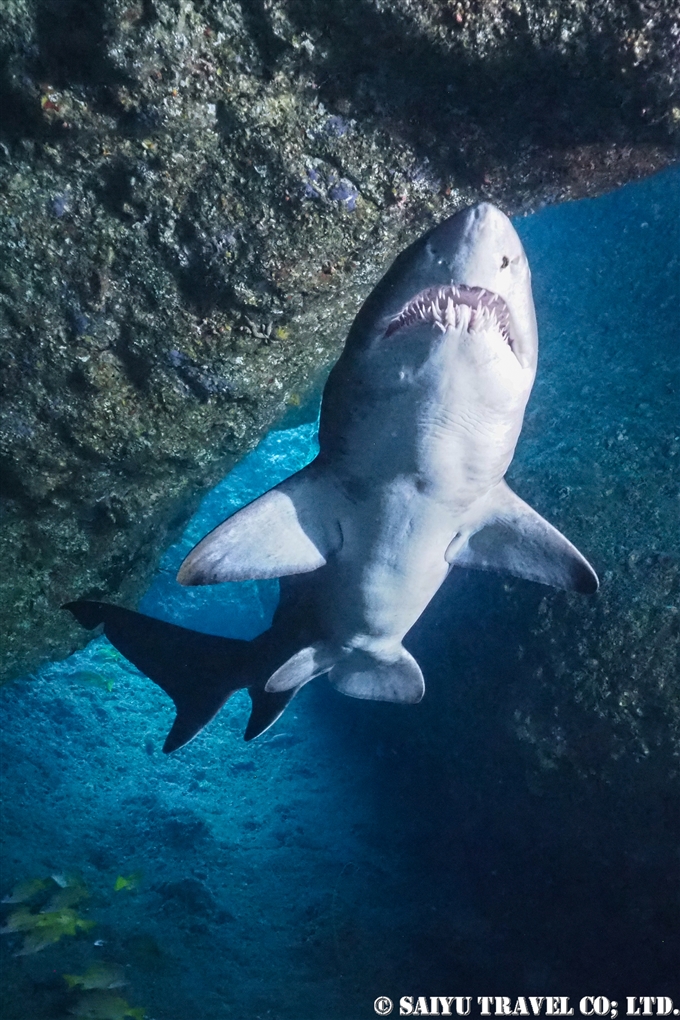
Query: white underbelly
x,y
412,474
391,565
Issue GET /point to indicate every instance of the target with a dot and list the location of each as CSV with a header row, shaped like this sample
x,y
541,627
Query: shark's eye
x,y
505,262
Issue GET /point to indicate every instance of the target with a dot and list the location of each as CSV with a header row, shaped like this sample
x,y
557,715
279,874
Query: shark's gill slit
x,y
444,307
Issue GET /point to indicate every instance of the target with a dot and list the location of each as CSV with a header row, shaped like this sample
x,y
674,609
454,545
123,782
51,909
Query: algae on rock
x,y
196,197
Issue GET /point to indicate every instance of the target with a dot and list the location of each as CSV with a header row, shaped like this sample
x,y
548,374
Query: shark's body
x,y
419,422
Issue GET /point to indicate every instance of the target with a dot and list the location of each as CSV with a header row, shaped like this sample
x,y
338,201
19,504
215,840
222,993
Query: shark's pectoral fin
x,y
289,530
516,540
362,675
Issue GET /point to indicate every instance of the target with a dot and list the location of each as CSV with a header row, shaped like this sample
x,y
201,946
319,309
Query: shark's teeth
x,y
455,305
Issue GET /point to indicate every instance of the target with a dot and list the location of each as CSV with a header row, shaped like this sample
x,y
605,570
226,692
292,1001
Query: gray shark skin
x,y
419,422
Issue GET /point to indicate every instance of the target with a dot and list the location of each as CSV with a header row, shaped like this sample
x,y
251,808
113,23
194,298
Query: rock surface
x,y
196,196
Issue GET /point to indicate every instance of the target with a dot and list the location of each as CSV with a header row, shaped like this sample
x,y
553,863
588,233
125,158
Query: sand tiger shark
x,y
419,422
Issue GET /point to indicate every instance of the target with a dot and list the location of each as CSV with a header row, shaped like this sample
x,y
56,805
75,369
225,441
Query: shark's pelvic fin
x,y
363,675
358,673
516,540
302,667
198,671
289,530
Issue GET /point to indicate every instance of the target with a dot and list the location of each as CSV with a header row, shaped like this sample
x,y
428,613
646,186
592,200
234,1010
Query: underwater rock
x,y
195,199
188,895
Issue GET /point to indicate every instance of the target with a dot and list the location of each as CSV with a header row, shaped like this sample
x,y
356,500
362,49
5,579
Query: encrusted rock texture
x,y
196,196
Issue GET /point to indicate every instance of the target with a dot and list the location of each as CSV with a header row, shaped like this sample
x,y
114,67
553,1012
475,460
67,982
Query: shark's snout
x,y
459,239
478,258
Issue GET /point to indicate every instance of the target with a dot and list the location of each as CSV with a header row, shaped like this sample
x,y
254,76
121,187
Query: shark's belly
x,y
391,565
450,447
410,492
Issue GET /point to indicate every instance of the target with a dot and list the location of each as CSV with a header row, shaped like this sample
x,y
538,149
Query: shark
x,y
419,421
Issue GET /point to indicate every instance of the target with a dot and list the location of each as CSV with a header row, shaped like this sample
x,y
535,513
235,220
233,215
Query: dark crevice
x,y
137,366
437,97
20,113
258,24
11,485
116,191
71,38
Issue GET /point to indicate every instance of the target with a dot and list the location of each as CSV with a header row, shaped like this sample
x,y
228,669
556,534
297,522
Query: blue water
x,y
233,610
516,833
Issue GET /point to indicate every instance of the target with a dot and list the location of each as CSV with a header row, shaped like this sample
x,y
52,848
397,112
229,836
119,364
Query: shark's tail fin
x,y
198,671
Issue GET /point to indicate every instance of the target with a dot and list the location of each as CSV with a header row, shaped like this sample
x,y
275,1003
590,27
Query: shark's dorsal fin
x,y
289,530
516,540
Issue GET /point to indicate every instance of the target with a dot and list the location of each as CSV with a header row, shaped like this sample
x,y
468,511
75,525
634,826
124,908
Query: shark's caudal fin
x,y
290,530
360,674
198,671
516,540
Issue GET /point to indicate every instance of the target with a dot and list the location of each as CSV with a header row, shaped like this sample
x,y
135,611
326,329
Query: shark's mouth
x,y
452,306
